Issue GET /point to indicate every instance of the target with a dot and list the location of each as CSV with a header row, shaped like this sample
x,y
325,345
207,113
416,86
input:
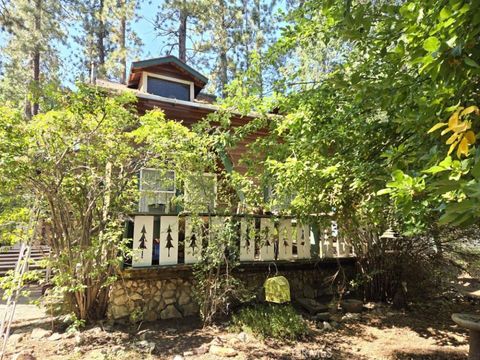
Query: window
x,y
167,88
157,188
201,193
157,180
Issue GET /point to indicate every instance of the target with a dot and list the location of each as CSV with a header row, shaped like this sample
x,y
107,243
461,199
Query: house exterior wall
x,y
165,293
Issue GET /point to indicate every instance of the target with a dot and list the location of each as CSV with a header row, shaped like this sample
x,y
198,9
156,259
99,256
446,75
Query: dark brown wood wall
x,y
190,115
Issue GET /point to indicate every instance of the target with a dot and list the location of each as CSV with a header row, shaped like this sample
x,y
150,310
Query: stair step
x,y
2,256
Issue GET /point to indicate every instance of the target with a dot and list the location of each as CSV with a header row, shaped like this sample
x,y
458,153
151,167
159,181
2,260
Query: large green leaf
x,y
431,44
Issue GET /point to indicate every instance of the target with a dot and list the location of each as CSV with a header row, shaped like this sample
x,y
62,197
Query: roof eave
x,y
163,60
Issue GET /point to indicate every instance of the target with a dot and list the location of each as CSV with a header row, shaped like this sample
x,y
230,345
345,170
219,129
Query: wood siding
x,y
190,115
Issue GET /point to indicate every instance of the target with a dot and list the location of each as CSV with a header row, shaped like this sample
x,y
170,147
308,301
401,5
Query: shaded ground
x,y
424,332
24,310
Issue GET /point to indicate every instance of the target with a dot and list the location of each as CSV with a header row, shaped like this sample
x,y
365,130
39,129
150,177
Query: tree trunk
x,y
123,43
182,35
223,51
36,80
223,71
32,109
101,34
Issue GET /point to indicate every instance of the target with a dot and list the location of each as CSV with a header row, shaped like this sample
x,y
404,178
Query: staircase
x,y
9,257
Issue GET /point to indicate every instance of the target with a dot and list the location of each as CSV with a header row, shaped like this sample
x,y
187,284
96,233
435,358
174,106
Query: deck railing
x,y
179,239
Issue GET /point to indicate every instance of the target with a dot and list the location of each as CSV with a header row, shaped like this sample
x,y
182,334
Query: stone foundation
x,y
151,300
166,292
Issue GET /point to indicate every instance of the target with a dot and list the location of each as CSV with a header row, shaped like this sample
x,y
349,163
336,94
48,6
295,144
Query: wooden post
x,y
142,241
247,239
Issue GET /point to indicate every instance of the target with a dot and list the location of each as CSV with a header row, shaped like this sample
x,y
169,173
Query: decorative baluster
x,y
168,240
285,241
267,239
247,239
303,241
348,248
193,240
330,252
142,241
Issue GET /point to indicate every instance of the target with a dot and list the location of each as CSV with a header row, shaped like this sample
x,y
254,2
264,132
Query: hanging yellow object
x,y
277,290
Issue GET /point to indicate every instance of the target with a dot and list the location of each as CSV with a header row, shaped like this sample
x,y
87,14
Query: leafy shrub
x,y
215,288
270,321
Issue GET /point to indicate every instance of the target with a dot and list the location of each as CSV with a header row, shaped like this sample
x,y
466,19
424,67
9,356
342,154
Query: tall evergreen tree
x,y
124,41
106,38
30,57
177,24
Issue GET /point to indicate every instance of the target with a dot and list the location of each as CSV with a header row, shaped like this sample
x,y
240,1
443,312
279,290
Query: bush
x,y
270,321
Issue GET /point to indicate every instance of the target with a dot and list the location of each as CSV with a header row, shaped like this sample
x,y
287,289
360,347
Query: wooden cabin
x,y
165,242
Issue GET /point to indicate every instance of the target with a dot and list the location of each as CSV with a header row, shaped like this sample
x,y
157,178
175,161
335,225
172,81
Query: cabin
x,y
166,242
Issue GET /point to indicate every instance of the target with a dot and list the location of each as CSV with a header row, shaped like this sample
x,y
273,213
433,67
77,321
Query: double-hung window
x,y
157,188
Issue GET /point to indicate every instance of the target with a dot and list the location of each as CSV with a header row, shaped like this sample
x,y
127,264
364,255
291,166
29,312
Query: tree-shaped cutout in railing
x,y
193,242
285,243
247,239
142,240
169,239
267,238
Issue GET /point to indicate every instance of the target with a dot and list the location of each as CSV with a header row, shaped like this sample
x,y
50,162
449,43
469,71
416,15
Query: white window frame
x,y
144,86
159,191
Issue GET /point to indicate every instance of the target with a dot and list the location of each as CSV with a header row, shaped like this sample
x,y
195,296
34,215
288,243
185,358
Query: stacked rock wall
x,y
164,293
151,299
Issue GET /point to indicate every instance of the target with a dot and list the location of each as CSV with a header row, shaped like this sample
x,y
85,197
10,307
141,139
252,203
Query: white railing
x,y
174,239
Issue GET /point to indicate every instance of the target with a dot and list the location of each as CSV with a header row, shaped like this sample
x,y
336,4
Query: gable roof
x,y
166,60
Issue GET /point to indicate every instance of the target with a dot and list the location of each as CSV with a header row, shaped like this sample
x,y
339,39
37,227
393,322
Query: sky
x,y
144,28
152,44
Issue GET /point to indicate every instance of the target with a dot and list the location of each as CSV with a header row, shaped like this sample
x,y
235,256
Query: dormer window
x,y
168,87
166,77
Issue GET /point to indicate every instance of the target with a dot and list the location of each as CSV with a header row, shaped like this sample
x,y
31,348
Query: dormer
x,y
167,77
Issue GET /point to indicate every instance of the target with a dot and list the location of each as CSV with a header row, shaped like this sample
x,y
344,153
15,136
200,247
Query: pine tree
x,y
142,240
125,44
106,38
169,244
30,63
222,24
174,20
93,37
258,30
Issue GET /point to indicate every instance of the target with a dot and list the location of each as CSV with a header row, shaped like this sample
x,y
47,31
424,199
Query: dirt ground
x,y
422,332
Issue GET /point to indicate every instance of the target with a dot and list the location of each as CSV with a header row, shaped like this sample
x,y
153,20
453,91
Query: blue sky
x,y
152,44
144,29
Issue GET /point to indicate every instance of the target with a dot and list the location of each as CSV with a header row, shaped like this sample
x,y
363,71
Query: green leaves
x,y
431,44
470,62
445,13
82,159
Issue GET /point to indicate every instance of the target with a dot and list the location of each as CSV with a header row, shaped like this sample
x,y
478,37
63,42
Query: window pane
x,y
157,180
168,89
157,188
200,192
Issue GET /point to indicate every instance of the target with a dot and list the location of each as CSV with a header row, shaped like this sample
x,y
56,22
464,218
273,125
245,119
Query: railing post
x,y
193,241
303,241
267,239
285,239
168,240
247,239
142,241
